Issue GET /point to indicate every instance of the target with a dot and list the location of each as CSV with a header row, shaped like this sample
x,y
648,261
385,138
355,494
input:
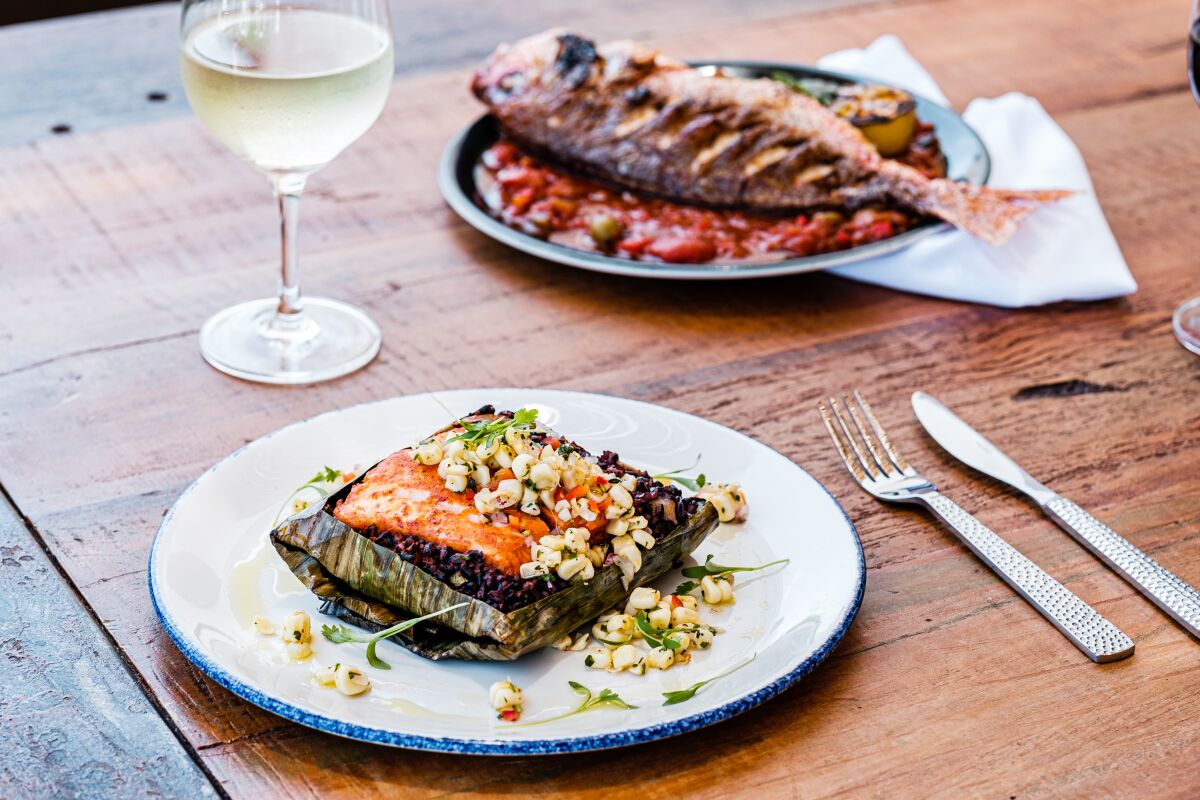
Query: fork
x,y
880,469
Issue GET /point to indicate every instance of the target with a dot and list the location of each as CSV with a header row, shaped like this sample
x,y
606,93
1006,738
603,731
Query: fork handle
x,y
1098,638
1168,591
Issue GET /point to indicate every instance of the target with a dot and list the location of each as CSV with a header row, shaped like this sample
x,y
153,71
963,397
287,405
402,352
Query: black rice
x,y
467,572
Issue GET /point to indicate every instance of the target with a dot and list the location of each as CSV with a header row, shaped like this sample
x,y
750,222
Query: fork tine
x,y
867,464
868,437
897,459
840,443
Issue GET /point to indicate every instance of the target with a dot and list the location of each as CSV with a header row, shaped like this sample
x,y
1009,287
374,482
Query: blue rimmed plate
x,y
967,160
212,571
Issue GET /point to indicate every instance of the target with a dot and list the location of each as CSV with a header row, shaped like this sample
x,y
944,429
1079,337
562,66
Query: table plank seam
x,y
284,728
126,662
166,337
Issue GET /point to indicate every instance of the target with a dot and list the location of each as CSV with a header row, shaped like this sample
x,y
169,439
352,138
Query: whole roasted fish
x,y
634,117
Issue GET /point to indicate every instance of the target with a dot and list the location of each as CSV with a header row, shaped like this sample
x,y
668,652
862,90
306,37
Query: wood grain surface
x,y
76,723
118,244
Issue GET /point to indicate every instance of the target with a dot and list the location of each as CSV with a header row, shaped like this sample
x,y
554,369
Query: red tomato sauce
x,y
542,201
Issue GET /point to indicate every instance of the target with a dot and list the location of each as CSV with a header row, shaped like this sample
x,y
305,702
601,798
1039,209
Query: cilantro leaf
x,y
687,587
327,475
486,431
340,634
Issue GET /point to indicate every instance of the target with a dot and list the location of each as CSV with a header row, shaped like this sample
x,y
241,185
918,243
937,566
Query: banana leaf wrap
x,y
372,587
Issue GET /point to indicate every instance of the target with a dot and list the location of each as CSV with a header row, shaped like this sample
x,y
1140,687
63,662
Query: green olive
x,y
605,228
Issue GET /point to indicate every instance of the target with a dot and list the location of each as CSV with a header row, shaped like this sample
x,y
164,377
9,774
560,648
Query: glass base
x,y
1187,325
252,342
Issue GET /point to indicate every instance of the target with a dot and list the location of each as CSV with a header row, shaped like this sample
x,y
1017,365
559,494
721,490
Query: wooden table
x,y
119,238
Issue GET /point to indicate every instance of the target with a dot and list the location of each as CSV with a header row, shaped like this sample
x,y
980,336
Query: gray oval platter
x,y
966,160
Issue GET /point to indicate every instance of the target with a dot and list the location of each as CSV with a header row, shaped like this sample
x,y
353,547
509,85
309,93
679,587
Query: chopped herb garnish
x,y
340,634
565,449
607,697
709,568
681,695
587,662
487,431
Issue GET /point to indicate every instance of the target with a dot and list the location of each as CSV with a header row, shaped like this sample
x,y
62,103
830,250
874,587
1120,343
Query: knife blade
x,y
1169,592
970,447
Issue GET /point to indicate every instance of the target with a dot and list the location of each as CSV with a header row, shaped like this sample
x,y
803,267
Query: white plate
x,y
212,570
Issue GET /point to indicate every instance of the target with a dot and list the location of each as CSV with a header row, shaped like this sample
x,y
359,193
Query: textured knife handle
x,y
1168,591
1098,638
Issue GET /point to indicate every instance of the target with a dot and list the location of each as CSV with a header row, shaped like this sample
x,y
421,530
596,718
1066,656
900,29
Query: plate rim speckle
x,y
459,197
472,746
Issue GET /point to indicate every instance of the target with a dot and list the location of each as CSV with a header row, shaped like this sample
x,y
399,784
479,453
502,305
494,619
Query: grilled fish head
x,y
550,57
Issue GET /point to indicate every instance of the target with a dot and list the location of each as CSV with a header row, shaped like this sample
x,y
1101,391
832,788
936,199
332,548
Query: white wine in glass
x,y
287,88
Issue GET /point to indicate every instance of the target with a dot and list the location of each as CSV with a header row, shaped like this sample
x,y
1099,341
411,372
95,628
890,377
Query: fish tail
x,y
992,215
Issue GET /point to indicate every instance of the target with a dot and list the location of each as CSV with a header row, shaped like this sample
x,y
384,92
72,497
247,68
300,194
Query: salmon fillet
x,y
401,496
631,116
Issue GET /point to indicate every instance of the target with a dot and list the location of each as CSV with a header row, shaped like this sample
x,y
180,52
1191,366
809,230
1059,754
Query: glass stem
x,y
289,325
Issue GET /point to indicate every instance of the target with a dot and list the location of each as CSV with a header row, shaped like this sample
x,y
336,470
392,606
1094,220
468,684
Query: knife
x,y
1169,592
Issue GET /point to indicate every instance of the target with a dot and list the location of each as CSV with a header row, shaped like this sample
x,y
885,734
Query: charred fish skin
x,y
629,115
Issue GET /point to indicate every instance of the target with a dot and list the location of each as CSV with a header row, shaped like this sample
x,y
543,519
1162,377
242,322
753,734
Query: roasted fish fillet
x,y
400,496
629,115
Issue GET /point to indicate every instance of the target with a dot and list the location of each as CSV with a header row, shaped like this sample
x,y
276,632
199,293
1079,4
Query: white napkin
x,y
1063,251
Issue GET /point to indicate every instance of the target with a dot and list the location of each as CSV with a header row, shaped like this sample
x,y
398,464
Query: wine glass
x,y
287,86
1187,317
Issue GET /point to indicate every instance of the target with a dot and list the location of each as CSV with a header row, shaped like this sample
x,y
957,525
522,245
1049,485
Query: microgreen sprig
x,y
709,568
695,484
486,431
681,695
656,637
607,697
822,91
319,485
340,634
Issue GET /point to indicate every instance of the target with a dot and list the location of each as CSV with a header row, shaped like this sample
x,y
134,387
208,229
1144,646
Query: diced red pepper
x,y
880,230
634,246
682,250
